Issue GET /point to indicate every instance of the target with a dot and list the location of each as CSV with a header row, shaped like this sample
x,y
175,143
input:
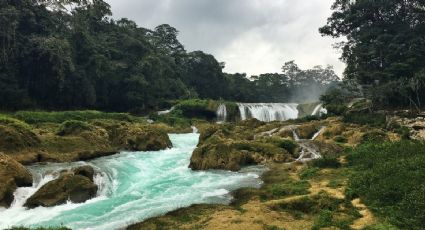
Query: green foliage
x,y
73,127
375,50
381,227
374,136
40,228
372,119
311,204
195,108
289,189
18,124
308,173
326,162
34,117
340,139
53,58
287,144
389,179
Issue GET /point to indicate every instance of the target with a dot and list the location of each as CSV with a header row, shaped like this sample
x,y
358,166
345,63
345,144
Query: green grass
x,y
15,123
372,119
326,162
308,173
40,228
73,127
34,117
389,177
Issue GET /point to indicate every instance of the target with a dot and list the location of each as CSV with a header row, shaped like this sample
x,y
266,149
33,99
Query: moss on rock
x,y
16,135
307,131
76,188
12,175
142,138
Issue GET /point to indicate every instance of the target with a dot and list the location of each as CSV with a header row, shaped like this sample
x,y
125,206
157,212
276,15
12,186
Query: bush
x,y
326,162
15,123
196,108
340,139
374,136
287,144
290,189
16,134
336,110
33,117
40,228
73,127
372,119
389,177
308,173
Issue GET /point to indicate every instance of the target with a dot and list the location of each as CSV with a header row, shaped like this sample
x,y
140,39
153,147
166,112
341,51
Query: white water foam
x,y
134,186
222,113
268,111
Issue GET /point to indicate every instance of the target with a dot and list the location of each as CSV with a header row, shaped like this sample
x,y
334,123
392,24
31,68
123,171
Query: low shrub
x,y
340,139
287,144
372,119
335,109
312,204
39,228
326,162
18,124
374,136
389,177
308,173
196,108
73,127
289,189
34,117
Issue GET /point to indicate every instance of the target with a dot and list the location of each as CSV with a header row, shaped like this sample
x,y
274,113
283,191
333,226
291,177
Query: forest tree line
x,y
71,54
384,49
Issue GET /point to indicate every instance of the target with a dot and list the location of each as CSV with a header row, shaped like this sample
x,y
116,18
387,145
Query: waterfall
x,y
166,111
222,113
319,110
268,111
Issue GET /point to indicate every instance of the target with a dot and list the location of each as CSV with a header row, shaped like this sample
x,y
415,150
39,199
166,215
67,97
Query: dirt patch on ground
x,y
367,216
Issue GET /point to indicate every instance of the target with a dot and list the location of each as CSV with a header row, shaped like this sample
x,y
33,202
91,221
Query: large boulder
x,y
307,131
233,155
143,138
12,175
68,186
85,170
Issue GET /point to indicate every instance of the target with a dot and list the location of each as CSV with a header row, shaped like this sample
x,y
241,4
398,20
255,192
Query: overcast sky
x,y
251,36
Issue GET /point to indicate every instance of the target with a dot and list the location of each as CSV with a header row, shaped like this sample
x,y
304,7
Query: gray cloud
x,y
252,36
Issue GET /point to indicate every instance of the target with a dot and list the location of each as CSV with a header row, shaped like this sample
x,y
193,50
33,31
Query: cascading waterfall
x,y
319,110
268,111
222,113
133,186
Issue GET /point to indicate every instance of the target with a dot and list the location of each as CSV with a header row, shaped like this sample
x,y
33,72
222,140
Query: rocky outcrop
x,y
16,135
232,155
86,171
12,175
143,139
76,186
230,147
307,131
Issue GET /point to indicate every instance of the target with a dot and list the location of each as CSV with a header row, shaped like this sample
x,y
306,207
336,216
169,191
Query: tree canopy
x,y
384,47
70,54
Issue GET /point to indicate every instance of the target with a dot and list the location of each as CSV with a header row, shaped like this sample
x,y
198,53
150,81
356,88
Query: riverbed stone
x,y
12,175
307,131
142,138
75,188
86,171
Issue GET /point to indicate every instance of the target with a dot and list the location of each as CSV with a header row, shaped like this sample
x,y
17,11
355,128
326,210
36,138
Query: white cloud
x,y
251,36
